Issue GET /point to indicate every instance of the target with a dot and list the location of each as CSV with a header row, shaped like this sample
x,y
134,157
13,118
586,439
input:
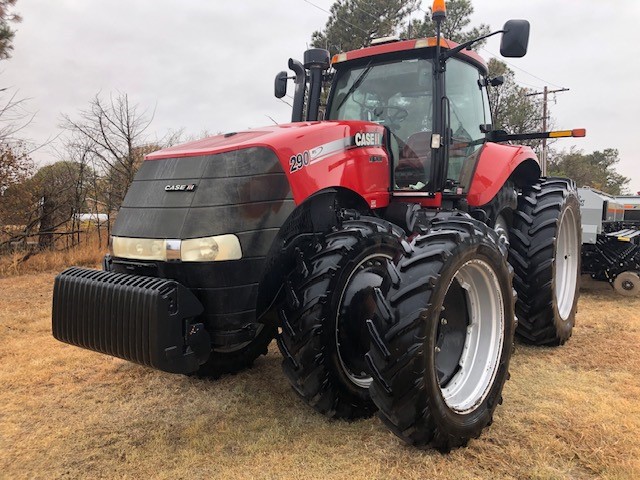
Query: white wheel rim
x,y
480,359
566,263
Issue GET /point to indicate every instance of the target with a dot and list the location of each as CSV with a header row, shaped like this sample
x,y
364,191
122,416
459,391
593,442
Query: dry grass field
x,y
571,412
87,254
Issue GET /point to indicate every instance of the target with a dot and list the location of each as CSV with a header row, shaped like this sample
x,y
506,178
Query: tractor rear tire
x,y
442,336
498,213
329,296
545,241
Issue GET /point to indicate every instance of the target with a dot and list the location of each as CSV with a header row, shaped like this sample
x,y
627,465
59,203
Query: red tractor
x,y
394,248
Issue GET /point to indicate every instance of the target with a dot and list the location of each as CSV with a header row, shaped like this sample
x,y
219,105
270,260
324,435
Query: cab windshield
x,y
398,95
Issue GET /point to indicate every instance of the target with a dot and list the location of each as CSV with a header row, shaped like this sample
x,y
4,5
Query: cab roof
x,y
407,45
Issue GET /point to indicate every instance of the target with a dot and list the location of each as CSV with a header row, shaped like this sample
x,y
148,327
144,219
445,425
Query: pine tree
x,y
353,24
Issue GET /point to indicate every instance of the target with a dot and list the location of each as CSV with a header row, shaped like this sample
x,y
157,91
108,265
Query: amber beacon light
x,y
438,10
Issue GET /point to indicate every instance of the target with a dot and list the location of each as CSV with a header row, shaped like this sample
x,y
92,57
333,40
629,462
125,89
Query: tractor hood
x,y
312,155
285,140
234,183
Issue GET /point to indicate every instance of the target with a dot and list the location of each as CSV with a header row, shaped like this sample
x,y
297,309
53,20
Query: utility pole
x,y
545,95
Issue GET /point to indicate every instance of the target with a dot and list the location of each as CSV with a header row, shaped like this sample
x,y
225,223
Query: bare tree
x,y
13,116
16,164
112,135
15,153
60,191
45,206
89,186
113,131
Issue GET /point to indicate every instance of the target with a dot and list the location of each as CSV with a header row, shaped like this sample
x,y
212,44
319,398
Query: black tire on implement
x,y
329,295
231,362
448,304
545,253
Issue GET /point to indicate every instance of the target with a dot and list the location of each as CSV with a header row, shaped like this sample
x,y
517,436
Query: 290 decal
x,y
299,161
335,147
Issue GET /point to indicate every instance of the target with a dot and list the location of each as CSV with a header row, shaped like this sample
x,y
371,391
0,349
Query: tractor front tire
x,y
442,337
233,361
545,241
329,297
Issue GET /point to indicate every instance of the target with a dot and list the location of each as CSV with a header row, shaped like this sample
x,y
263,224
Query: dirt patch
x,y
569,412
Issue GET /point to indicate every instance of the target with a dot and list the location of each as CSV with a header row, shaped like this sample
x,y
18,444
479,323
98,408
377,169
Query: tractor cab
x,y
396,89
429,94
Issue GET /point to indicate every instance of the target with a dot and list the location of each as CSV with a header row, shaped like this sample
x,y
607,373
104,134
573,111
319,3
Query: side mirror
x,y
280,85
496,81
515,39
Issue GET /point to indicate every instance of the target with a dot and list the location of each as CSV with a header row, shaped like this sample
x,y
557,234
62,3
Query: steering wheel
x,y
394,114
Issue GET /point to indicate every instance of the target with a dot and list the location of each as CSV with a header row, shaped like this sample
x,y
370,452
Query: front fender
x,y
496,164
318,214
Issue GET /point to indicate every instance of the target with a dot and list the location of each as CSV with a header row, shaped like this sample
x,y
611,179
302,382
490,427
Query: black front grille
x,y
141,319
243,191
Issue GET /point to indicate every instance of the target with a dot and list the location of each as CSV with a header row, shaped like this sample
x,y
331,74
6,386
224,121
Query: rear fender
x,y
316,215
497,164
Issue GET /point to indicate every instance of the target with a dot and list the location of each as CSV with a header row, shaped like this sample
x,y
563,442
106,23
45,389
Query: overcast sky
x,y
209,65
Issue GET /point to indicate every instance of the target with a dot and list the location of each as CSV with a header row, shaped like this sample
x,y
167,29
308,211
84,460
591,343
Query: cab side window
x,y
468,113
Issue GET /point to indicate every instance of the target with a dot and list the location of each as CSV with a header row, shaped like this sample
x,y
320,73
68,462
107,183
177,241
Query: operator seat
x,y
414,162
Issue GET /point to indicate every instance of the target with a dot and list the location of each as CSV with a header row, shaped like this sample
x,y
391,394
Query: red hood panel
x,y
314,156
290,137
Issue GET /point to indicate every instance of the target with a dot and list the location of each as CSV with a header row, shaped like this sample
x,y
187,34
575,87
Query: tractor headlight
x,y
139,248
209,249
199,250
205,249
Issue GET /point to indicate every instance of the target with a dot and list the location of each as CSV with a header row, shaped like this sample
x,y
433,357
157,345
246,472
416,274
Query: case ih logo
x,y
362,139
180,188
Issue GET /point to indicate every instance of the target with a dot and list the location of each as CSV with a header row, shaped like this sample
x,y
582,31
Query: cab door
x,y
468,114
